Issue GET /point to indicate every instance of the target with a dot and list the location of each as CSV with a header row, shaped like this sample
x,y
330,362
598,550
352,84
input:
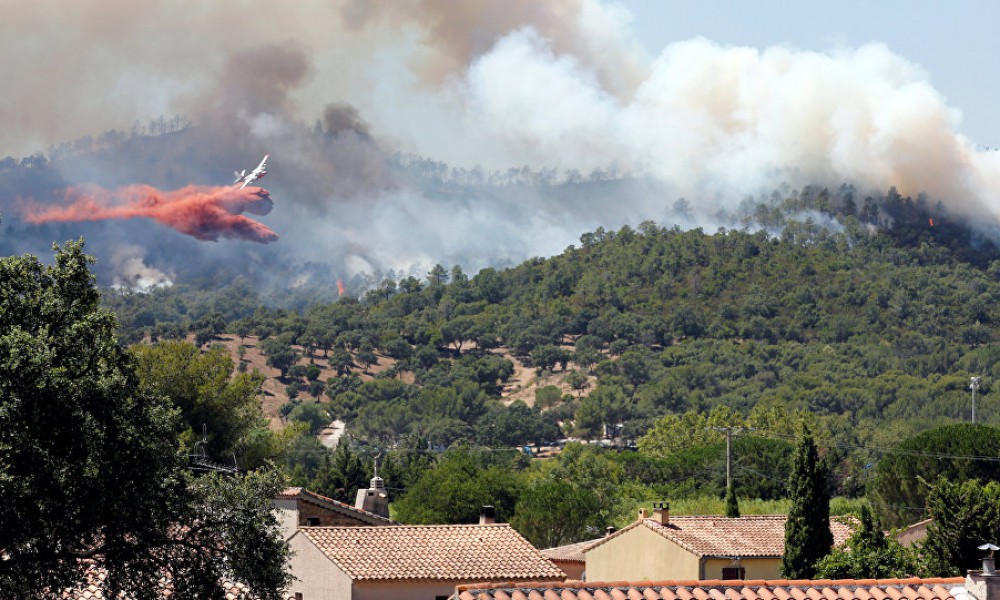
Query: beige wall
x,y
316,577
755,568
288,515
393,590
640,554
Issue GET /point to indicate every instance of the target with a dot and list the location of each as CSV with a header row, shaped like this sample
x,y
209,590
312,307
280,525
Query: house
x,y
298,507
953,588
693,548
570,558
423,562
911,534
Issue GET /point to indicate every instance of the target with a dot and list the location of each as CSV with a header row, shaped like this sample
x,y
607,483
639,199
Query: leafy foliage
x,y
900,487
868,554
966,514
90,465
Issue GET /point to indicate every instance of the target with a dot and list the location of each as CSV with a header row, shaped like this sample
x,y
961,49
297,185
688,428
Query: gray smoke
x,y
537,93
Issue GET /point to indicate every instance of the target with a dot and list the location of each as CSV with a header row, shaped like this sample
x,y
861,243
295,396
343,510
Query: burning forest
x,y
400,142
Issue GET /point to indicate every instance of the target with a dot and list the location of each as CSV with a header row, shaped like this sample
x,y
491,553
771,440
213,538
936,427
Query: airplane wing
x,y
260,167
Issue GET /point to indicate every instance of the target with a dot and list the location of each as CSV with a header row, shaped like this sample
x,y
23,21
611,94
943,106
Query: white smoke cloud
x,y
710,118
130,270
561,84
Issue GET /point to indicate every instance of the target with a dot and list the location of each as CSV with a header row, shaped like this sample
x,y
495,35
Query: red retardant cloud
x,y
204,212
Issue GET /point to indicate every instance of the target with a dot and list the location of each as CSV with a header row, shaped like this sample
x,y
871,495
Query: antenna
x,y
200,461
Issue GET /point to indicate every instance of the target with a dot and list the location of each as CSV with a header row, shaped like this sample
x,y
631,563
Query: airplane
x,y
248,178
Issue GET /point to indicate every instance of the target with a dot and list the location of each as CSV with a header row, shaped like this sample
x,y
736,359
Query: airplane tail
x,y
239,175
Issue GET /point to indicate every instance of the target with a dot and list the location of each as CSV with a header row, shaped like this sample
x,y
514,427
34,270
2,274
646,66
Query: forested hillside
x,y
864,318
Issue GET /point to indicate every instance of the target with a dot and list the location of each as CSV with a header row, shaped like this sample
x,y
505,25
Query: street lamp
x,y
974,385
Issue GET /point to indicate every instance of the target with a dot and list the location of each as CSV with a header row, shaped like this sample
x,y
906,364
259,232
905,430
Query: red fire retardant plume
x,y
204,212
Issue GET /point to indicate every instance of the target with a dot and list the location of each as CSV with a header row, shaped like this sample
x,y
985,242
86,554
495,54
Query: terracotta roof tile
x,y
432,552
846,589
569,552
764,593
93,588
749,536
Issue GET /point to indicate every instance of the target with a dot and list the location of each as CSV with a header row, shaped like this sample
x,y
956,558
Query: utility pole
x,y
729,452
974,386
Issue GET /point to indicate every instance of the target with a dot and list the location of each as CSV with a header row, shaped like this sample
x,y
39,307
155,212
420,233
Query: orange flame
x,y
931,222
341,290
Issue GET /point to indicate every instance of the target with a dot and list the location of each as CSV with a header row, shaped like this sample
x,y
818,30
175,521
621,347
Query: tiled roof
x,y
749,536
364,515
93,588
569,552
781,589
432,552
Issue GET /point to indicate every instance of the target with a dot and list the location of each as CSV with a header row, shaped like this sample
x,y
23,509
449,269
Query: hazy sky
x,y
958,42
709,100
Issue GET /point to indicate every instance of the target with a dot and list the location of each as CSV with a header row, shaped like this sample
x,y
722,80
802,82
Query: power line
x,y
895,450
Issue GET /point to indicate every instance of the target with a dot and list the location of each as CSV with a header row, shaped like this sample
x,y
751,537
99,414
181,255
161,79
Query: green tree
x,y
202,386
312,414
341,474
91,470
281,357
899,482
867,554
456,488
542,513
966,514
807,530
732,504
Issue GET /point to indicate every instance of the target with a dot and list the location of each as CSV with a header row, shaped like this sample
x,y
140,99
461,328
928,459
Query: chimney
x,y
487,515
985,584
609,530
375,499
643,513
661,512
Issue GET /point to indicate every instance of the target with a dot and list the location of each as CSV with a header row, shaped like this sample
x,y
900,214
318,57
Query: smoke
x,y
204,213
539,121
132,272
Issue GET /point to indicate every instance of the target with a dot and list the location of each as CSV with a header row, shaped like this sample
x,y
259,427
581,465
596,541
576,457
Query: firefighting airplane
x,y
248,178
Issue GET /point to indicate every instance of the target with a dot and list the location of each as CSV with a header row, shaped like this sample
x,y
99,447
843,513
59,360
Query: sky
x,y
957,43
709,101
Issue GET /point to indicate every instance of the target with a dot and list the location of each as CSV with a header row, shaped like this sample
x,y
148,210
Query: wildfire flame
x,y
341,290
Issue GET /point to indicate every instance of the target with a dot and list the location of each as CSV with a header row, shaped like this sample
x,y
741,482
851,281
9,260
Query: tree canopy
x,y
91,469
807,531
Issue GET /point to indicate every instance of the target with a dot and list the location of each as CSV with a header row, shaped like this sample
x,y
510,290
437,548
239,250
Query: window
x,y
312,521
733,573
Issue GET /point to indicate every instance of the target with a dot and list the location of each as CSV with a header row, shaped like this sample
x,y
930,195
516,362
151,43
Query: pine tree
x,y
807,531
732,505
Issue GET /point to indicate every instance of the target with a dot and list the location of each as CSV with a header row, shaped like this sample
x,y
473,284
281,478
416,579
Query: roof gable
x,y
751,536
304,495
432,552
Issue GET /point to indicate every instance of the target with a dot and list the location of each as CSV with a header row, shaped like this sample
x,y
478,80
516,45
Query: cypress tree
x,y
732,505
807,531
